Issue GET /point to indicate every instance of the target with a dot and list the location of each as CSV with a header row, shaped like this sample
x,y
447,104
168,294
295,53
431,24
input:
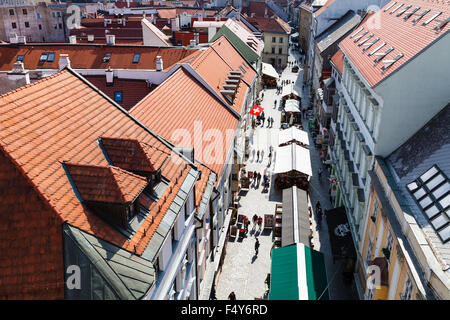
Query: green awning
x,y
298,273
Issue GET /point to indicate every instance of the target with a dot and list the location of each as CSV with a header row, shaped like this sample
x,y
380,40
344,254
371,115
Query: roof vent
x,y
159,63
229,95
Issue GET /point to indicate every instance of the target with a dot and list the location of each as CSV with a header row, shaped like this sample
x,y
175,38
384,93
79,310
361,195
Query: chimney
x,y
159,63
21,39
109,76
19,75
174,24
90,38
192,43
265,12
124,21
196,38
110,39
73,39
13,38
64,61
211,32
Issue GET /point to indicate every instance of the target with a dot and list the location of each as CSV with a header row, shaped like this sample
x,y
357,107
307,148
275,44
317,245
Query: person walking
x,y
319,217
254,176
232,296
246,223
255,220
256,246
257,155
259,177
259,223
319,173
275,104
318,206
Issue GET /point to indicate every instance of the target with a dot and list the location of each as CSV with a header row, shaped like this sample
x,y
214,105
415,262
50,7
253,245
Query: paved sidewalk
x,y
242,271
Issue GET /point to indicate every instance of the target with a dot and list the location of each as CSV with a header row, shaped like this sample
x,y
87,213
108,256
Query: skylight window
x,y
421,15
403,10
376,49
410,13
51,57
20,57
369,44
432,193
381,55
47,57
107,57
390,6
388,63
136,57
43,57
442,25
118,96
360,36
432,18
362,42
358,31
396,8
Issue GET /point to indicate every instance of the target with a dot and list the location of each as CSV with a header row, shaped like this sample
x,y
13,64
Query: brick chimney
x,y
64,61
159,63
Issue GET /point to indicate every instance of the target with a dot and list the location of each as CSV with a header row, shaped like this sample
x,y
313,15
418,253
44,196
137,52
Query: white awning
x,y
293,157
269,70
293,133
290,88
292,105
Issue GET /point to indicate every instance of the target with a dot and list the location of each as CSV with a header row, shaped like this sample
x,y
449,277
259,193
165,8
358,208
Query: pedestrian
x,y
259,177
268,122
246,223
263,119
262,95
255,220
271,124
320,173
270,154
212,295
232,296
317,206
256,246
254,176
275,104
253,123
257,154
259,223
319,216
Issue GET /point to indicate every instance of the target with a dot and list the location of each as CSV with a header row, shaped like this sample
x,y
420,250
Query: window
x,y
60,25
273,50
136,57
14,25
118,96
375,209
55,26
20,57
369,251
389,243
51,57
279,61
107,57
274,39
27,24
280,50
407,290
40,27
43,57
38,15
11,12
281,40
53,14
25,12
58,14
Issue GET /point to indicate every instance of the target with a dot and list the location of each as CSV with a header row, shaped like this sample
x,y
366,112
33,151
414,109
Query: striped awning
x,y
298,273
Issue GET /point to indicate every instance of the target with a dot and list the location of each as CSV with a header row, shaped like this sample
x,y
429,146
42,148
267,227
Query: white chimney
x,y
211,32
109,76
13,38
192,43
110,39
21,39
64,61
19,75
159,63
200,18
174,24
73,39
90,38
196,38
124,21
265,12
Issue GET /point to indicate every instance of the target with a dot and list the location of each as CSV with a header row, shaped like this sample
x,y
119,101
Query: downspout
x,y
196,256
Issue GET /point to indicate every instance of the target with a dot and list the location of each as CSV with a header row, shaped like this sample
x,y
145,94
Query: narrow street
x,y
242,271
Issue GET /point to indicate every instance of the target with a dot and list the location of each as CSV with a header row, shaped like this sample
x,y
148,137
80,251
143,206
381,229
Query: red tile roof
x,y
106,183
258,9
338,60
224,58
405,37
186,36
276,24
324,7
91,56
56,119
132,90
101,32
193,111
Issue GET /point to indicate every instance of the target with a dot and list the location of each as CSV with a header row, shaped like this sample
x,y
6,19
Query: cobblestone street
x,y
242,271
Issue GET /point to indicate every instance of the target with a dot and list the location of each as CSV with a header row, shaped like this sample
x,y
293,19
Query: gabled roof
x,y
324,7
105,183
276,24
406,38
54,120
194,110
158,33
89,56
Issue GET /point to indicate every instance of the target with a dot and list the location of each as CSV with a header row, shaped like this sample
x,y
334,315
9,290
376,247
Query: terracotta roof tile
x,y
106,184
56,119
88,56
338,60
269,24
195,112
406,37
